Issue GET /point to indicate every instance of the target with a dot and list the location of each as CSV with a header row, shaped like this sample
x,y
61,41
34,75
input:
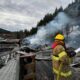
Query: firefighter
x,y
60,59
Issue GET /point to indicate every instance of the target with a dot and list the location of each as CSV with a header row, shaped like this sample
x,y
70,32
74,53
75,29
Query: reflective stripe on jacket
x,y
57,59
64,74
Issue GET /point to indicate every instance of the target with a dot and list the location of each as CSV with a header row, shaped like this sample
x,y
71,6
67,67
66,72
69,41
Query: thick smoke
x,y
60,22
74,37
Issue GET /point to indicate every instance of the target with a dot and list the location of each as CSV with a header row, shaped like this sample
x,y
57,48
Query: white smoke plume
x,y
60,21
74,37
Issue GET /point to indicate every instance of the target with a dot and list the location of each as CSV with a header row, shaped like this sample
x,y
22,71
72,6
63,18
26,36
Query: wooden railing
x,y
27,66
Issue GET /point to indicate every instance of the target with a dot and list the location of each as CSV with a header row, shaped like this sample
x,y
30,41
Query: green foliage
x,y
45,20
26,32
4,31
22,34
33,31
49,17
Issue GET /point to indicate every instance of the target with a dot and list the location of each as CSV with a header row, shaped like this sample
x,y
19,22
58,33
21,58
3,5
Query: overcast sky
x,y
24,14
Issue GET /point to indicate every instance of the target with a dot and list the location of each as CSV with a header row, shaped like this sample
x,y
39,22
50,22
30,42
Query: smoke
x,y
75,32
60,22
74,37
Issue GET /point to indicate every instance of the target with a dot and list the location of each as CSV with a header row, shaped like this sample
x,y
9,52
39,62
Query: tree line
x,y
46,19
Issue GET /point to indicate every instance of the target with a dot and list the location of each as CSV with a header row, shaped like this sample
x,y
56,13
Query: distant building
x,y
7,34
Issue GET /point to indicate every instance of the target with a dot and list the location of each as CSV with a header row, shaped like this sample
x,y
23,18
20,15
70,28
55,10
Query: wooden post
x,y
27,63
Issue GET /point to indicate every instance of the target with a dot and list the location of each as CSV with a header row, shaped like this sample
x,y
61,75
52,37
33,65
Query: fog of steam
x,y
74,37
60,21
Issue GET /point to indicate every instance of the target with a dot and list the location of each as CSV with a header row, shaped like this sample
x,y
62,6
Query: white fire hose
x,y
77,50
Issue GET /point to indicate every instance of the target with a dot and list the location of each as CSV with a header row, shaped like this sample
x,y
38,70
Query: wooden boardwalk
x,y
9,60
10,71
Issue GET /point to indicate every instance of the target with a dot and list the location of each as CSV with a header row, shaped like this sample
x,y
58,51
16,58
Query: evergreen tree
x,y
49,17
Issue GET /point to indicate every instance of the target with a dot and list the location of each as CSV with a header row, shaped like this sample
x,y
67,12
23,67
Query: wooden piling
x,y
27,66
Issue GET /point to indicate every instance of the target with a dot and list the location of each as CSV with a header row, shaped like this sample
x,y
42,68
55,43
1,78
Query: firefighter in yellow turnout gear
x,y
60,59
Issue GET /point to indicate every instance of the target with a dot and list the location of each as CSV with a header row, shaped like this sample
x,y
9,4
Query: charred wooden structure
x,y
27,66
35,67
6,50
44,65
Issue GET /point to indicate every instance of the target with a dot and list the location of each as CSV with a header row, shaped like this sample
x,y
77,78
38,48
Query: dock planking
x,y
10,71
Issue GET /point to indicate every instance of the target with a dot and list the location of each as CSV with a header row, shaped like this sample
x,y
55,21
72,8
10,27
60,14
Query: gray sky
x,y
24,14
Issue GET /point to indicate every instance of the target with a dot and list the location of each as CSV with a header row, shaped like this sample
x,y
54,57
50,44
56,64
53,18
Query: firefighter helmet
x,y
59,37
